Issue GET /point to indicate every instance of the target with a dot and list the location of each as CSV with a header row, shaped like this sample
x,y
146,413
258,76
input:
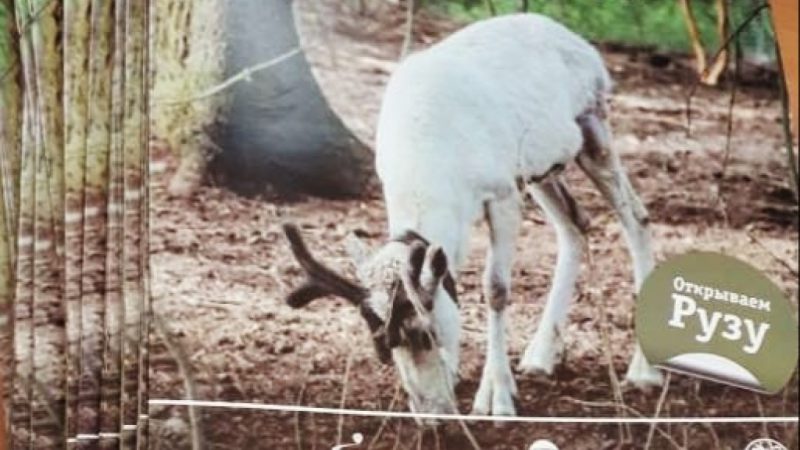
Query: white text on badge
x,y
729,326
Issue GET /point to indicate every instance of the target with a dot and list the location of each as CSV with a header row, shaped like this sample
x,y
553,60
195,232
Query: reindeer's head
x,y
407,297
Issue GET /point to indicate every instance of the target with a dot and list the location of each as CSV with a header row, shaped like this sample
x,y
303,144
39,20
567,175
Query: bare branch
x,y
739,29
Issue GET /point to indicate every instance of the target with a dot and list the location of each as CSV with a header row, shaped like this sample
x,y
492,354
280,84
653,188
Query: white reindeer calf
x,y
466,127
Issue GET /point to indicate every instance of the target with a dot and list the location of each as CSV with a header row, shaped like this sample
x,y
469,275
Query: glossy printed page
x,y
287,113
396,224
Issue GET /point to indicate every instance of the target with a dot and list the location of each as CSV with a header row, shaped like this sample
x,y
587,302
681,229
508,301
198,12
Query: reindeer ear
x,y
435,270
437,261
416,258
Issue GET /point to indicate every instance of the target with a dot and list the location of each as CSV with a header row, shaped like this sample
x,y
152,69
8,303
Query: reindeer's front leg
x,y
497,388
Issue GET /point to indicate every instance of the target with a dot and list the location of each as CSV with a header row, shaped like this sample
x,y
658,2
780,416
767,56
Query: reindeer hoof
x,y
539,359
536,365
644,379
641,374
495,396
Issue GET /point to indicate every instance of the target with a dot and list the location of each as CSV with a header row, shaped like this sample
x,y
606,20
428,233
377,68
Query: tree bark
x,y
73,131
278,129
95,224
20,405
10,159
134,253
76,87
188,52
42,65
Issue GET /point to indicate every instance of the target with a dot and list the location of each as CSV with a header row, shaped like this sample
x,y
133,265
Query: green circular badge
x,y
716,317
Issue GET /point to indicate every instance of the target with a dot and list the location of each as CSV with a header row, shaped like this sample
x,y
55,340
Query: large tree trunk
x,y
263,125
188,60
278,129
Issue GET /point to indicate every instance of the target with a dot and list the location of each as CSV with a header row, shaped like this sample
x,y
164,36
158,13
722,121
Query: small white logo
x,y
358,438
543,444
765,444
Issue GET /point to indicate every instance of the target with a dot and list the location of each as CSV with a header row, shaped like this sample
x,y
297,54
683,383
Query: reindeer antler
x,y
321,280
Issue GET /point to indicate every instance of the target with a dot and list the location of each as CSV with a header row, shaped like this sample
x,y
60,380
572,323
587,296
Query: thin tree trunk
x,y
143,266
490,7
20,409
134,164
26,409
694,36
112,350
42,66
10,153
95,218
76,86
719,65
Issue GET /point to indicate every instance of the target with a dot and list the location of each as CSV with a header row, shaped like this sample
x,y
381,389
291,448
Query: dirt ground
x,y
221,269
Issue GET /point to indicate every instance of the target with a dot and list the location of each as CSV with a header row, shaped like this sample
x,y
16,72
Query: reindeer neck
x,y
441,226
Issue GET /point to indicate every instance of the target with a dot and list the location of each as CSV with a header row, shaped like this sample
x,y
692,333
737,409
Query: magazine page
x,y
401,225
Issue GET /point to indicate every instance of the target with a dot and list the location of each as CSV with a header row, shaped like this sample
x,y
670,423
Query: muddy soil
x,y
221,270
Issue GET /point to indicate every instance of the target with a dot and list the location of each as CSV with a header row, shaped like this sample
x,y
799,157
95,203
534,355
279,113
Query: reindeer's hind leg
x,y
570,223
604,168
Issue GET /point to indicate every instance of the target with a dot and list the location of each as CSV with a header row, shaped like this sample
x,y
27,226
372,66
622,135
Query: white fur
x,y
460,123
462,119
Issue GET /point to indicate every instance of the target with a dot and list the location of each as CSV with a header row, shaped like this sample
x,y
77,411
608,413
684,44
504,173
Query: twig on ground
x,y
729,133
631,410
298,435
685,436
760,407
397,435
659,405
189,385
714,436
624,429
314,435
343,400
385,418
778,259
709,426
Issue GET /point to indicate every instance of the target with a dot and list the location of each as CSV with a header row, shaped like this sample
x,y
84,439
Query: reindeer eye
x,y
419,339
